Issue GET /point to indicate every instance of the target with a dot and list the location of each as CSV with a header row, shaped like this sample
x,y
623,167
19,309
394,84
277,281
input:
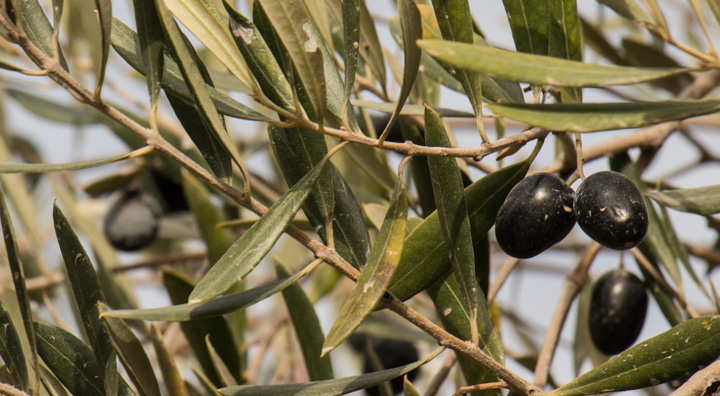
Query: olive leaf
x,y
683,349
425,258
704,201
85,286
377,273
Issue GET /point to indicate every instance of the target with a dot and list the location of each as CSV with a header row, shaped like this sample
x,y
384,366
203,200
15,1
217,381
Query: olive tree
x,y
297,174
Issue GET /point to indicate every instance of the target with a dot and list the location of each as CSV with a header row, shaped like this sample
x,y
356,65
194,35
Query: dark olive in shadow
x,y
617,311
391,354
132,222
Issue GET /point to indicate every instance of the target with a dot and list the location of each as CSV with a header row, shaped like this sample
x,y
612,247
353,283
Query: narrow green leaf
x,y
297,151
150,38
334,85
455,22
530,25
72,361
38,29
351,36
207,216
88,293
196,331
256,242
704,201
408,388
338,386
512,66
594,37
307,328
52,110
171,374
207,121
377,273
115,287
132,355
290,20
51,383
457,319
18,275
643,55
260,59
425,257
125,41
452,212
11,350
411,24
226,378
492,90
679,351
103,9
678,250
202,23
217,306
629,9
203,136
564,38
410,109
70,166
591,117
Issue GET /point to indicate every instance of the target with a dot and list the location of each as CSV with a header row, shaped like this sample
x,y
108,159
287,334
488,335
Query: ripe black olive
x,y
391,354
611,210
617,311
537,213
132,221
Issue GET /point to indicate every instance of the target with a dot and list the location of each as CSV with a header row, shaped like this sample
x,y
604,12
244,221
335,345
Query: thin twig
x,y
574,282
503,273
480,387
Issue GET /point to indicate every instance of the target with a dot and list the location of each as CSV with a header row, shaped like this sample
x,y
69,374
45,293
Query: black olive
x,y
617,311
391,354
611,210
172,192
132,222
537,213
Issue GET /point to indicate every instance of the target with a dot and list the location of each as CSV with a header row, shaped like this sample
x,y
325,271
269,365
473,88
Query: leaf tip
x,y
326,350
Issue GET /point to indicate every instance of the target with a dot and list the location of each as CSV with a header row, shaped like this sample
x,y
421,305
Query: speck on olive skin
x,y
617,311
537,213
611,210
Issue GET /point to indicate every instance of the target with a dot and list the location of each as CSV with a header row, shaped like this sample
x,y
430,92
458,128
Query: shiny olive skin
x,y
132,222
391,353
617,311
537,213
611,210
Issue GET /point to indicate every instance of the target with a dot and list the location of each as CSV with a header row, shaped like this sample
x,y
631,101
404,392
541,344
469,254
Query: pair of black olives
x,y
132,222
617,311
541,210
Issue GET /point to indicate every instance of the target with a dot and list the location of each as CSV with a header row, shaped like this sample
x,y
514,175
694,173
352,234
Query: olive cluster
x,y
541,210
